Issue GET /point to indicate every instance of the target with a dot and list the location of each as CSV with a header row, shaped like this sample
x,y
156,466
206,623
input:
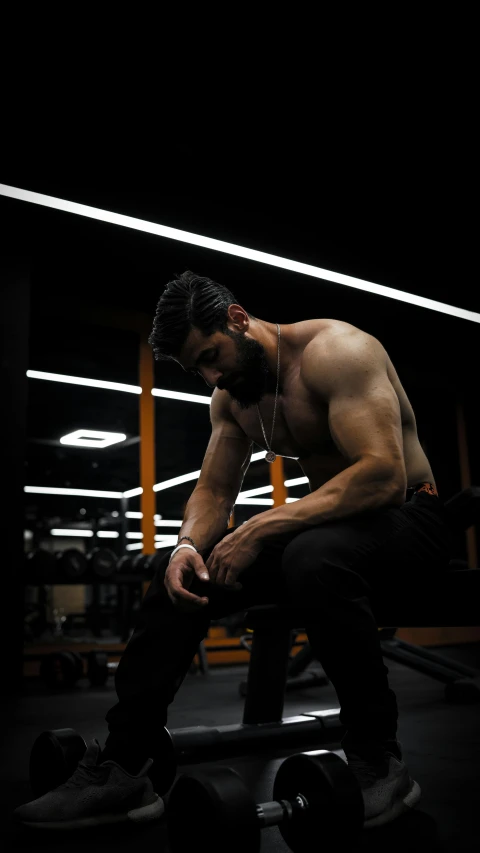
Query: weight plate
x,y
212,809
54,758
103,562
124,565
72,563
164,768
59,670
335,804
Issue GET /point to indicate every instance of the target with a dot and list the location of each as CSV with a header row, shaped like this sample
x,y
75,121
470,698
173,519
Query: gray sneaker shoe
x,y
96,794
387,788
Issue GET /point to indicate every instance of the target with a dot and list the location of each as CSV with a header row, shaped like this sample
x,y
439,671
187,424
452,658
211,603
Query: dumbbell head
x,y
102,562
61,670
316,797
73,564
54,758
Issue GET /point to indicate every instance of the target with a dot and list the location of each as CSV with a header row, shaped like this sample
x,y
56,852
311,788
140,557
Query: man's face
x,y
234,362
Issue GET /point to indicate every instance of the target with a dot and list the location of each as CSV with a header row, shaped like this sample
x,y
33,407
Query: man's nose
x,y
211,376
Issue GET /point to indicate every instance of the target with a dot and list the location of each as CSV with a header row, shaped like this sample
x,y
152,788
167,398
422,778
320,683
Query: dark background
x,y
392,211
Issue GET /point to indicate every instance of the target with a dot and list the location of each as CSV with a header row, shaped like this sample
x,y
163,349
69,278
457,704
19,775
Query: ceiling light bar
x,y
134,515
163,523
165,543
108,534
132,493
291,500
298,481
90,493
185,478
134,546
136,535
262,490
179,395
80,380
60,531
232,249
254,501
93,438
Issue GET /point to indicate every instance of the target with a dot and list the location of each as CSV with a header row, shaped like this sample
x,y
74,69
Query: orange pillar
x,y
147,445
465,480
277,480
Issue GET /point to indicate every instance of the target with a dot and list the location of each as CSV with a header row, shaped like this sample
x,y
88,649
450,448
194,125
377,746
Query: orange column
x,y
277,480
147,445
465,480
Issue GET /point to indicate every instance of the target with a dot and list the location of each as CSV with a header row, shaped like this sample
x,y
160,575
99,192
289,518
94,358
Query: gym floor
x,y
441,744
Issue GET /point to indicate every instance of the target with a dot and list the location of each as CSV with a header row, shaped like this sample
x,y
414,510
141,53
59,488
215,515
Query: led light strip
x,y
232,249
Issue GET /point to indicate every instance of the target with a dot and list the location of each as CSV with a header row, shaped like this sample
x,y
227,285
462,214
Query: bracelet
x,y
190,540
178,548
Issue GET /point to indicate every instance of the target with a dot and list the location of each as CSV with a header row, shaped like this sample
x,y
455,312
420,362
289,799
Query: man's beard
x,y
252,378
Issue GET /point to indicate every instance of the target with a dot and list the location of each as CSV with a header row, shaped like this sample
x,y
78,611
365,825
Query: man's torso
x,y
301,422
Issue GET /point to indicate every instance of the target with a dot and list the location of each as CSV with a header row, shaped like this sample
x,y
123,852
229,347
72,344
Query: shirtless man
x,y
372,521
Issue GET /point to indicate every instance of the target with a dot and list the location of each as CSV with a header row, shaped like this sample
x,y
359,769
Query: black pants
x,y
336,570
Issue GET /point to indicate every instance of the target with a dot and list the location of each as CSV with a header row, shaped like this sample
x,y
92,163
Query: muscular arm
x,y
225,464
349,374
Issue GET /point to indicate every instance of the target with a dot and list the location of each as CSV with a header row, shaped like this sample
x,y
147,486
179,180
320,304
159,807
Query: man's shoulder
x,y
333,335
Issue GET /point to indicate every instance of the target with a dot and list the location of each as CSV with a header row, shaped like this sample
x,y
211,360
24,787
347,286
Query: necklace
x,y
271,456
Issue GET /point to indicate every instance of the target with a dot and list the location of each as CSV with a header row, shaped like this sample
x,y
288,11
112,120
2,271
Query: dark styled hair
x,y
188,301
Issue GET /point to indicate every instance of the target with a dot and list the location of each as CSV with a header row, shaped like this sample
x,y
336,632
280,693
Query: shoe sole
x,y
144,814
397,808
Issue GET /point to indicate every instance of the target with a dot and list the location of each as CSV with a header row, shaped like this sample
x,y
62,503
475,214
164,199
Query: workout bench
x,y
453,602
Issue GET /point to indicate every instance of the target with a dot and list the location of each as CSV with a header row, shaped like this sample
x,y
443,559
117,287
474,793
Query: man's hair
x,y
188,301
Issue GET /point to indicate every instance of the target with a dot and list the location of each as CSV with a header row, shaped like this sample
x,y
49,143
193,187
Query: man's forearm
x,y
206,519
359,488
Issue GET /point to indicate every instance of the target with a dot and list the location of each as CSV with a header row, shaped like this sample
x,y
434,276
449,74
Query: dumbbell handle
x,y
278,811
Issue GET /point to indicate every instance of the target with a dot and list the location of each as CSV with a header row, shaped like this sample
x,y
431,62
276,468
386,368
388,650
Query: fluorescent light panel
x,y
134,515
298,481
179,395
108,534
88,493
134,546
64,532
93,438
80,380
232,249
136,535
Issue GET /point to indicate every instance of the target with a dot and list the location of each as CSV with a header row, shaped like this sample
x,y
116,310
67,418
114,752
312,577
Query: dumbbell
x,y
72,563
61,670
316,802
56,753
102,562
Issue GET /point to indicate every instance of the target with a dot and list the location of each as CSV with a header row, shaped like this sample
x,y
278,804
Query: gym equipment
x,y
41,566
102,562
124,565
61,670
145,564
72,563
56,754
53,759
297,677
316,800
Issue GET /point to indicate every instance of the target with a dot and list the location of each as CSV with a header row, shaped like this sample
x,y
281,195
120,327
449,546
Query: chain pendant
x,y
271,456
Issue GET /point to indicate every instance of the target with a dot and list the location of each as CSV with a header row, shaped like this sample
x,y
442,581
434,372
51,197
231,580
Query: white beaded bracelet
x,y
178,548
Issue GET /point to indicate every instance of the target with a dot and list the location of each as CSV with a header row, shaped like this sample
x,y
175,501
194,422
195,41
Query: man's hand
x,y
179,578
231,556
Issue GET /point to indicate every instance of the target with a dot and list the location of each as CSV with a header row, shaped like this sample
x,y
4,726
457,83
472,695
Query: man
x,y
326,394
